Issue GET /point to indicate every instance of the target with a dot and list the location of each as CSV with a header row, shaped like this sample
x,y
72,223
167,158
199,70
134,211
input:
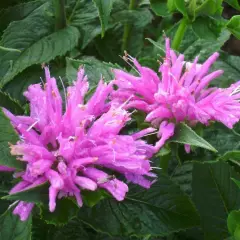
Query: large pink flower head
x,y
72,150
179,94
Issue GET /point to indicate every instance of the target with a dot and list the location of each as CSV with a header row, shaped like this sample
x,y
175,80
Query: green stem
x,y
60,14
127,27
179,34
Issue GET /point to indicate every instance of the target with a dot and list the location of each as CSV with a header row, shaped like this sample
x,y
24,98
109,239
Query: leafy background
x,y
197,195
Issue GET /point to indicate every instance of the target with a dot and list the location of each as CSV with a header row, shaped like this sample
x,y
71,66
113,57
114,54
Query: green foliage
x,y
12,228
196,196
8,135
104,9
234,26
169,209
212,184
185,135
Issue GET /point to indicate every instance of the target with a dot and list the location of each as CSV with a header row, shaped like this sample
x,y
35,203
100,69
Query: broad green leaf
x,y
230,65
86,21
11,104
207,28
8,135
222,138
234,3
231,155
185,135
160,7
182,175
181,7
22,34
94,69
236,181
215,195
210,8
65,210
12,228
91,198
46,49
37,194
233,26
104,9
158,211
233,223
17,12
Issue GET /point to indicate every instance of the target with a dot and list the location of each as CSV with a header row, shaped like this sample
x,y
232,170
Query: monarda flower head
x,y
179,94
72,150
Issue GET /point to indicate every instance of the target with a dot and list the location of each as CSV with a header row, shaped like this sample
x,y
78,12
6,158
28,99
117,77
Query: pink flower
x,y
178,94
71,150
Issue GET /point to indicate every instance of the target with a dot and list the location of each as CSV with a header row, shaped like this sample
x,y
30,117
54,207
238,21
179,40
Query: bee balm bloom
x,y
72,150
179,93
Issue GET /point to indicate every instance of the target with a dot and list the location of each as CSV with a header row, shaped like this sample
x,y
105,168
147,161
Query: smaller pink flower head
x,y
71,150
179,93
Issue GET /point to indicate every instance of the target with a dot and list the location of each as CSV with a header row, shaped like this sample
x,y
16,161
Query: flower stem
x,y
127,27
60,14
179,34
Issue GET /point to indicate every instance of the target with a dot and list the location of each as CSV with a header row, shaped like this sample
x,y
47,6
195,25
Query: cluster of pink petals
x,y
72,150
180,94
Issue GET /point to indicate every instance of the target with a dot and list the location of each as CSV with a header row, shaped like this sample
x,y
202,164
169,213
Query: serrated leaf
x,y
23,34
233,26
185,135
17,12
12,228
46,49
215,195
94,69
8,135
158,211
104,9
230,65
12,105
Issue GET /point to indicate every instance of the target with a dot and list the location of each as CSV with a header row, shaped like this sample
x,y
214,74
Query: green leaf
x,y
234,155
56,44
215,195
94,69
160,7
234,3
185,135
180,5
236,181
210,8
207,28
182,175
17,12
91,198
233,223
12,228
233,26
223,138
11,104
65,210
8,135
158,211
230,65
86,21
23,34
104,9
38,194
